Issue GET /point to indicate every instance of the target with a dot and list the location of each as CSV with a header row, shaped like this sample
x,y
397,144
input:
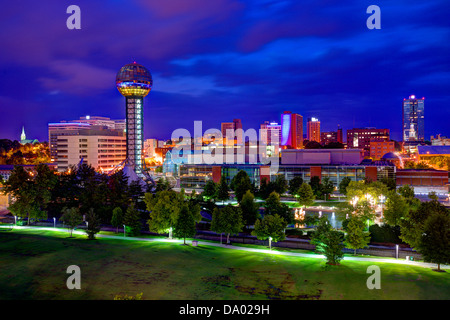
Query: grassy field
x,y
33,265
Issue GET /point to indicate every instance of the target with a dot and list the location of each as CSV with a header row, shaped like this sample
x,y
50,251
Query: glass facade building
x,y
413,119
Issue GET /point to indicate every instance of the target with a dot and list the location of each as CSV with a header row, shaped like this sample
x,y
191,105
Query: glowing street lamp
x,y
124,230
54,222
15,220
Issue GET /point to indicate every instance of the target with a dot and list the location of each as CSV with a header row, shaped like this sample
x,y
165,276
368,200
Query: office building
x,y
361,137
68,128
229,128
413,120
98,146
313,129
270,133
380,147
291,130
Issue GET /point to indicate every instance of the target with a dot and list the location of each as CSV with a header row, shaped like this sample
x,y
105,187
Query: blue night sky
x,y
215,60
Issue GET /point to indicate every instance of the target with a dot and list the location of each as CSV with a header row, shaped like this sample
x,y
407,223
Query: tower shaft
x,y
135,130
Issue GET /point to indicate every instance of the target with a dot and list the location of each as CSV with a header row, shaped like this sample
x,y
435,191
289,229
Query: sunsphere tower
x,y
134,82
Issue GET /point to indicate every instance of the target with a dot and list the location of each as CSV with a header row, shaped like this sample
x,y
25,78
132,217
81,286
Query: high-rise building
x,y
134,82
313,129
232,127
100,147
339,135
291,130
68,128
413,119
270,131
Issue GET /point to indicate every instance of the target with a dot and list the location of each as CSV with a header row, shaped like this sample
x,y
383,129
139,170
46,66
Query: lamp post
x,y
396,251
54,222
124,230
15,220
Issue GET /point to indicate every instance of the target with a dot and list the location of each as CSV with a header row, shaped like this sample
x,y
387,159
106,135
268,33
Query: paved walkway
x,y
214,244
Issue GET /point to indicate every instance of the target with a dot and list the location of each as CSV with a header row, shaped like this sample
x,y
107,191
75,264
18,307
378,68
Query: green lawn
x,y
33,265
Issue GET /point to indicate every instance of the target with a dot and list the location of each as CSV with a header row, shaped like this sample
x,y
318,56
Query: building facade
x,y
103,149
413,119
379,147
313,129
291,130
361,137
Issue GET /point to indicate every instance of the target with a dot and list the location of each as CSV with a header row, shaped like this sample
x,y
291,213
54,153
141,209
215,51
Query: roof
x,y
433,149
390,156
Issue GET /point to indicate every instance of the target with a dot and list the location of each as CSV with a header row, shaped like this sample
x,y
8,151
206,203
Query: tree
x,y
31,191
327,187
332,247
72,218
390,183
93,224
223,191
294,184
343,185
316,186
396,208
406,191
434,242
281,184
328,241
305,195
185,224
132,221
210,190
164,208
356,238
249,208
266,188
217,223
412,225
321,231
227,220
117,218
162,185
240,184
273,206
433,196
270,227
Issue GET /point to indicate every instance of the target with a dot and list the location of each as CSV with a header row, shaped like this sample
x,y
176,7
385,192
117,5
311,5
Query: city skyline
x,y
229,59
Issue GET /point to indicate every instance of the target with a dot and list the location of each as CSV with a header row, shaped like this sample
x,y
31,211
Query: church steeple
x,y
23,136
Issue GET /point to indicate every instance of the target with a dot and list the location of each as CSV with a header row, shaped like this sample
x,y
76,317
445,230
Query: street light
x,y
54,222
15,220
124,230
